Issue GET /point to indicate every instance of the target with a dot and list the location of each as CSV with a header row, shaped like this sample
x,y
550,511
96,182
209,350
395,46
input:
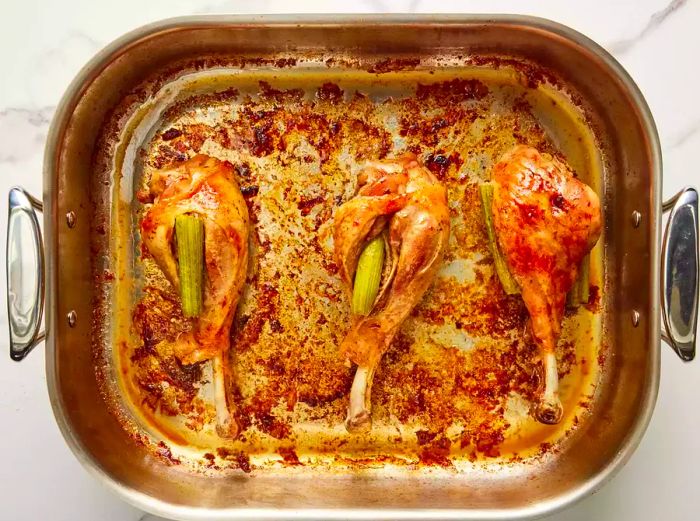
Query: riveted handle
x,y
25,273
680,273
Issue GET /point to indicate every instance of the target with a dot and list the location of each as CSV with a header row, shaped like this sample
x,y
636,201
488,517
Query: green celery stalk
x,y
189,233
580,292
510,286
368,276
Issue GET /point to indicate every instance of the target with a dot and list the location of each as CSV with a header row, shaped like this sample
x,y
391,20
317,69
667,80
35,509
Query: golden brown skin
x,y
405,198
546,221
205,187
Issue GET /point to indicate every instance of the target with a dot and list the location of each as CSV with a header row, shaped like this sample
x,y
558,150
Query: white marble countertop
x,y
42,46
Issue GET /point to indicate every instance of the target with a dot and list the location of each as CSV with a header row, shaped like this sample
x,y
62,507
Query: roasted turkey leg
x,y
405,201
546,221
204,187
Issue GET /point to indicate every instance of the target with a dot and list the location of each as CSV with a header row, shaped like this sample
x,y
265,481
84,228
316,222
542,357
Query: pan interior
x,y
455,388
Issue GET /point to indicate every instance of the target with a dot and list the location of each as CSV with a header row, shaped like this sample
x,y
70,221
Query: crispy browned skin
x,y
407,199
205,187
546,221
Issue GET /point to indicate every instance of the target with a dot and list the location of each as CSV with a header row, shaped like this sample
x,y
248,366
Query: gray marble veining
x,y
618,47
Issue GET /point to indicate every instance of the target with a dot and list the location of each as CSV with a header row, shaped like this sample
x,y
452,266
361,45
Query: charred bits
x,y
257,130
266,310
329,92
250,190
436,453
272,426
424,436
453,91
285,62
557,201
439,164
171,133
262,140
289,456
487,440
306,204
394,64
185,377
243,170
165,156
276,326
166,454
239,459
268,92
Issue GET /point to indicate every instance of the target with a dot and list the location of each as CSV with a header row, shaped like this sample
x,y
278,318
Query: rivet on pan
x,y
635,317
636,219
72,318
70,219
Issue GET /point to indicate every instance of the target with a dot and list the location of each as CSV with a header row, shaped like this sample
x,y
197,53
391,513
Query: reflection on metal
x,y
70,219
635,317
636,219
680,273
25,278
72,318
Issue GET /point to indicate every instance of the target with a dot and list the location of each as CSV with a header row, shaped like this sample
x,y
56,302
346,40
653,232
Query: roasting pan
x,y
645,283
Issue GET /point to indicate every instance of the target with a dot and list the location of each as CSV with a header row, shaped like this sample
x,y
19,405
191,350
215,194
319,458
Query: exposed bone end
x,y
359,423
550,410
549,413
227,428
359,418
226,425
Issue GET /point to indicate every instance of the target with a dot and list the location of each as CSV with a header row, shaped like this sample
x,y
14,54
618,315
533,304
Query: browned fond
x,y
457,381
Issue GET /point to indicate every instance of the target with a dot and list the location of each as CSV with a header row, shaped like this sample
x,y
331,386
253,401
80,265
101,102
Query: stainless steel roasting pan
x,y
650,286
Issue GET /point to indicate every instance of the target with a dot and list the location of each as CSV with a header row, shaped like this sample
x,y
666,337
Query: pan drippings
x,y
458,381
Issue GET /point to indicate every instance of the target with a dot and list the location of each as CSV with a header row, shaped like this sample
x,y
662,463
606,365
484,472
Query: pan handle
x,y
25,273
680,273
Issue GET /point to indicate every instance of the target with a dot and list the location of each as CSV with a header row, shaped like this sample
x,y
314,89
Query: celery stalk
x,y
580,291
189,233
368,277
583,276
507,281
